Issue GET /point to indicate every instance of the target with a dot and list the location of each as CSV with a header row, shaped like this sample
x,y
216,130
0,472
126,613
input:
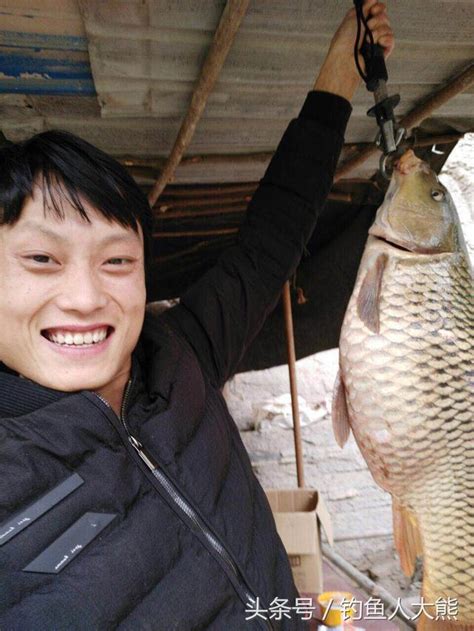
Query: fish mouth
x,y
380,235
399,244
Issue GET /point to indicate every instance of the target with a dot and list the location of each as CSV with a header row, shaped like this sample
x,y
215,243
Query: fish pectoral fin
x,y
368,300
340,414
407,537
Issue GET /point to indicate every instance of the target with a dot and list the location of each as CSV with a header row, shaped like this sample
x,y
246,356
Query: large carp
x,y
405,385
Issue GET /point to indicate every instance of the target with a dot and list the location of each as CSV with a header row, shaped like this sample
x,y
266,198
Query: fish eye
x,y
437,195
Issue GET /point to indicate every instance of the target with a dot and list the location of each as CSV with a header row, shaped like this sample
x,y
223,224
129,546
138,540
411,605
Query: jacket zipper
x,y
171,490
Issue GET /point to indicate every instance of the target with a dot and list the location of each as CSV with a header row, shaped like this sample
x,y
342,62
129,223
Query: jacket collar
x,y
19,395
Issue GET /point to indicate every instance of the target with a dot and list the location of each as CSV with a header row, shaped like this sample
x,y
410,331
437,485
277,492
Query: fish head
x,y
418,213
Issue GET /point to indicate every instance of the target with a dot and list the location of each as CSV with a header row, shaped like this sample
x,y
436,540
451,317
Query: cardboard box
x,y
299,515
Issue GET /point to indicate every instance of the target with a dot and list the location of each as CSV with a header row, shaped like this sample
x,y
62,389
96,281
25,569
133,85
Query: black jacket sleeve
x,y
224,310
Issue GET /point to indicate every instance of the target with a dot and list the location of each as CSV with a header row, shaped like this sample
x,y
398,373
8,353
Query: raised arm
x,y
223,311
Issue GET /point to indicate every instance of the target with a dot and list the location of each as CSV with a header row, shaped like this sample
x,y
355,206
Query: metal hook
x,y
437,151
387,160
386,169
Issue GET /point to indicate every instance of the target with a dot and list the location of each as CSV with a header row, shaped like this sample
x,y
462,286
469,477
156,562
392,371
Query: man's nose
x,y
82,290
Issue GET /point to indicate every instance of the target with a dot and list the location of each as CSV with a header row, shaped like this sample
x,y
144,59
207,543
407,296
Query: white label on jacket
x,y
28,515
68,545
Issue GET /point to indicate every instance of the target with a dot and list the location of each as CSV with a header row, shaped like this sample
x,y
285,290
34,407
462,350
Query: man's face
x,y
79,275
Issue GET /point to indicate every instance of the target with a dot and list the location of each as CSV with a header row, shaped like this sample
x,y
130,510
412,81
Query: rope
x,y
367,41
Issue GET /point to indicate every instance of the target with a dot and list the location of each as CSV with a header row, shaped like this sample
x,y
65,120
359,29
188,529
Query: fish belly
x,y
410,400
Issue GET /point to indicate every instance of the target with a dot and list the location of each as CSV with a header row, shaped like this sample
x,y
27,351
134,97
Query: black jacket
x,y
181,534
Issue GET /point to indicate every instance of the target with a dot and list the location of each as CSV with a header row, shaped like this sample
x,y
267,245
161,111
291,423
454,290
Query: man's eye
x,y
119,259
35,257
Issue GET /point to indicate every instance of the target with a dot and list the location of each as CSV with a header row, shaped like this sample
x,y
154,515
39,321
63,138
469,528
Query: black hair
x,y
67,164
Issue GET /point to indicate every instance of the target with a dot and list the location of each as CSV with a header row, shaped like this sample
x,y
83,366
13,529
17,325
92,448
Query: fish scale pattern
x,y
410,397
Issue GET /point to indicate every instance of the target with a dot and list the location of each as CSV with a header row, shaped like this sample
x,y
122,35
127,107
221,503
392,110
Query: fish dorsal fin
x,y
368,300
407,537
340,414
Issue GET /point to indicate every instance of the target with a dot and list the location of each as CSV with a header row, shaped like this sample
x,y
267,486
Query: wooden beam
x,y
451,89
199,202
445,139
229,158
149,167
195,233
218,206
209,191
209,159
224,36
416,116
205,212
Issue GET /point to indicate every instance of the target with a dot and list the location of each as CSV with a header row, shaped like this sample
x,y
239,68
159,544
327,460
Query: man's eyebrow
x,y
37,227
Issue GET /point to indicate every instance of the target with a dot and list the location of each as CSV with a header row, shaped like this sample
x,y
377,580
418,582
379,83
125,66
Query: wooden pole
x,y
195,233
416,116
205,212
190,191
199,202
290,346
231,18
147,167
219,207
451,89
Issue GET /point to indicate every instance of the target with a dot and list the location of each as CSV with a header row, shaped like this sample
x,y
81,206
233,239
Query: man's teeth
x,y
78,339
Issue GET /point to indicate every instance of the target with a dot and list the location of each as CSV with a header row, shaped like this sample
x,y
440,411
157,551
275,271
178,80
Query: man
x,y
127,498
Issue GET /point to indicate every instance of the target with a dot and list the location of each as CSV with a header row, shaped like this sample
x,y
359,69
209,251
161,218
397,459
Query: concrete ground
x,y
360,511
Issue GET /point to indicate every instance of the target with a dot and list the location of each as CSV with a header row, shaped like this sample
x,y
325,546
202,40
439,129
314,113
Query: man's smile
x,y
78,335
79,345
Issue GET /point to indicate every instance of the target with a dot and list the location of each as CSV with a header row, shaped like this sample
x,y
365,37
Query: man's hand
x,y
338,73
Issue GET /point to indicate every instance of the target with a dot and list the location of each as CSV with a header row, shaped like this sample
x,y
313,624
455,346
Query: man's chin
x,y
72,382
73,386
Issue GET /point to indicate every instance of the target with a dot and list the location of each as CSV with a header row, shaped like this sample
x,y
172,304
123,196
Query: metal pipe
x,y
368,585
290,347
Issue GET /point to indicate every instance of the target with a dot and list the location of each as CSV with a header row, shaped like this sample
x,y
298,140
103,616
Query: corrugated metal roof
x,y
37,53
146,55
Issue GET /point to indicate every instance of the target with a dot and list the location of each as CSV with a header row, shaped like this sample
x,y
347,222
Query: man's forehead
x,y
38,218
61,231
